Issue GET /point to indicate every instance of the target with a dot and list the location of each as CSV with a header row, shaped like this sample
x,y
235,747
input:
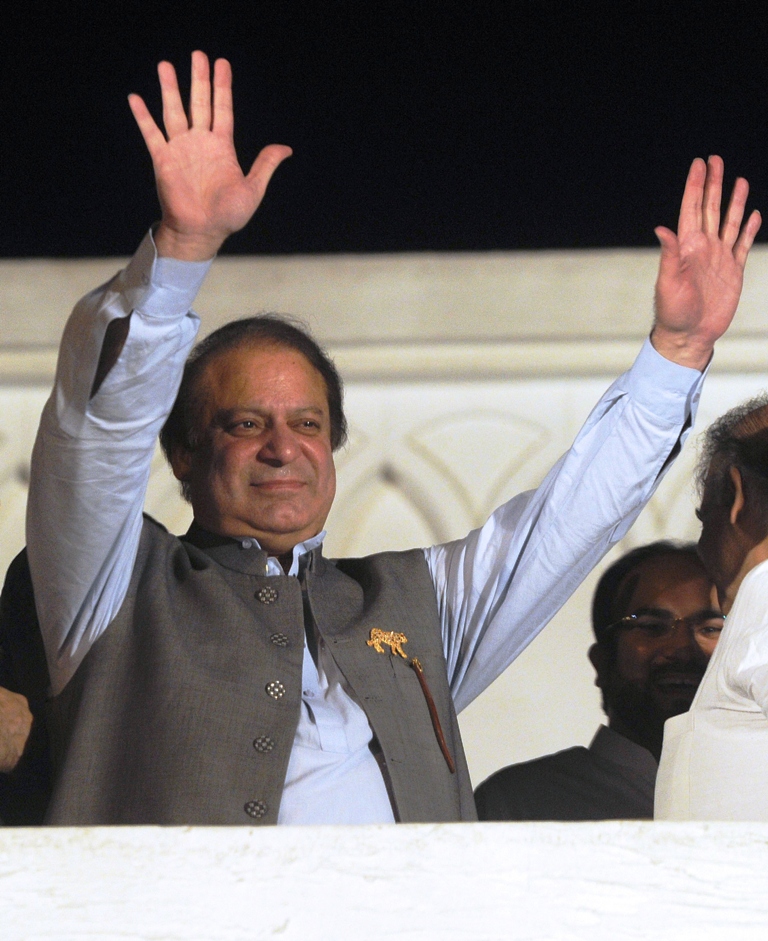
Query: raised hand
x,y
204,194
702,267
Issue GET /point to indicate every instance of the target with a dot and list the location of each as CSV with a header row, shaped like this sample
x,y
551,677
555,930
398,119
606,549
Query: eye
x,y
309,425
652,627
710,631
247,426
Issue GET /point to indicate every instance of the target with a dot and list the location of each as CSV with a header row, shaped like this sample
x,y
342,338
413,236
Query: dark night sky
x,y
420,126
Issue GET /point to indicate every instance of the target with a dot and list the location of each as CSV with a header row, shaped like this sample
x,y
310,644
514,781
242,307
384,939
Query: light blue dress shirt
x,y
495,589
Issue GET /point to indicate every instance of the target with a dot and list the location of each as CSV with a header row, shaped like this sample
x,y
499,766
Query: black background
x,y
420,126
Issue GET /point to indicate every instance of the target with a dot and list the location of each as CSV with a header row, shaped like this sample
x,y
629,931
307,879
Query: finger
x,y
690,208
713,190
200,92
264,166
735,213
747,237
153,136
174,116
223,116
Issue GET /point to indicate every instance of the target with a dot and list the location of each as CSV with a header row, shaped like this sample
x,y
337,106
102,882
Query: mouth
x,y
278,485
683,684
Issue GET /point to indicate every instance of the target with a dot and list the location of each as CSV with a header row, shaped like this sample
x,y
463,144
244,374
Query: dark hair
x,y
182,427
738,439
615,588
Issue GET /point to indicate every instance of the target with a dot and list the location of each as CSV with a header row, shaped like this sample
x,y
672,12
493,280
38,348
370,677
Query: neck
x,y
650,738
754,556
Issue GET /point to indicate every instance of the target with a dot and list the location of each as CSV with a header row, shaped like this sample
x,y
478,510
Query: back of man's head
x,y
739,440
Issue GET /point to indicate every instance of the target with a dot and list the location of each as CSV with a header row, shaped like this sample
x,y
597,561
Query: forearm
x,y
92,455
501,585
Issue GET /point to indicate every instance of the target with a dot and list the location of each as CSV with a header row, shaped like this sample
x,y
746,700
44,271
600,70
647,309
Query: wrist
x,y
185,246
683,348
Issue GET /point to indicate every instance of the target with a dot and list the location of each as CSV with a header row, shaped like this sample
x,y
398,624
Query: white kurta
x,y
714,764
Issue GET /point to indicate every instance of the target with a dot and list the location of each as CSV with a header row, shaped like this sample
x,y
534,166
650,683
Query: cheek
x,y
632,661
321,458
225,462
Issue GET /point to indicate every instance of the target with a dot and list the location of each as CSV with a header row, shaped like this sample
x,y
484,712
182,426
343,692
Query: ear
x,y
598,657
738,499
181,463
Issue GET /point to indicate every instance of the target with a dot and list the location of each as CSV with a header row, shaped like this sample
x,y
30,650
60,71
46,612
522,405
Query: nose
x,y
279,446
680,643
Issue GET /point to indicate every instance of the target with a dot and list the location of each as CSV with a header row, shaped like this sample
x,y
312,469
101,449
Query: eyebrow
x,y
225,415
665,612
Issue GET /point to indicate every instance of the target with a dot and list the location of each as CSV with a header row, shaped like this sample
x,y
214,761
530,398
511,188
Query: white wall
x,y
614,881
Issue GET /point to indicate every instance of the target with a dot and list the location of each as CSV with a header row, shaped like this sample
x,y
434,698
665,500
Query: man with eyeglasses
x,y
714,764
656,625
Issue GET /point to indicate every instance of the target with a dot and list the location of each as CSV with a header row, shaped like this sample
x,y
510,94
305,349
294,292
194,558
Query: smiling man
x,y
656,626
234,675
256,457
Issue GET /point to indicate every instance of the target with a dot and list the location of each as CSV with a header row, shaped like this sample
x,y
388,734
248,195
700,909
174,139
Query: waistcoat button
x,y
267,595
275,689
255,809
279,640
263,744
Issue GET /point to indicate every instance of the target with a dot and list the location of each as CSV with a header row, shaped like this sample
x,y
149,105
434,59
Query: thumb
x,y
265,165
670,250
667,240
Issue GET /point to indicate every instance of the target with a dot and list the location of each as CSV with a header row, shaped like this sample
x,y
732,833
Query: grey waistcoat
x,y
184,711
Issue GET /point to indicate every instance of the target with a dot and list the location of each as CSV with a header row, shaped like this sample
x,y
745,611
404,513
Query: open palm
x,y
203,192
701,271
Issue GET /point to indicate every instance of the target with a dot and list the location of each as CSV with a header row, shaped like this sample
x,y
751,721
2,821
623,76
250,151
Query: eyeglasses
x,y
705,627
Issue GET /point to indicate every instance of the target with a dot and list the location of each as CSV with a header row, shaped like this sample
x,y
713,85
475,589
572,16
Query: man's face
x,y
654,678
265,464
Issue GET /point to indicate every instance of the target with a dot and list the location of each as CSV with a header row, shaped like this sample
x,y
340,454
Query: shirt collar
x,y
244,554
301,553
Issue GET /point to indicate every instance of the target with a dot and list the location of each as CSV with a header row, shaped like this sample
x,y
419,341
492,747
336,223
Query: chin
x,y
675,708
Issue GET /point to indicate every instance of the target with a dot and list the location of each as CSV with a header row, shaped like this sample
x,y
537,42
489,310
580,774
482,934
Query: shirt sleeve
x,y
499,586
92,455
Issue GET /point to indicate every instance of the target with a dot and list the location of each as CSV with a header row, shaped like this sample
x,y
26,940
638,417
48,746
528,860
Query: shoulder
x,y
162,551
406,568
575,784
532,790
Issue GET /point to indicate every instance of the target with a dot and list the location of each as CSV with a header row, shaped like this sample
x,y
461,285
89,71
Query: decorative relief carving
x,y
478,452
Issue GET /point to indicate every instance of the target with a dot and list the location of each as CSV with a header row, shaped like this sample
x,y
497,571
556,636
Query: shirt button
x,y
267,595
247,543
279,640
263,744
275,689
256,809
308,694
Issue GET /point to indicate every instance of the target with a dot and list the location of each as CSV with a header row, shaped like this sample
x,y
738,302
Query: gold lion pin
x,y
392,639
